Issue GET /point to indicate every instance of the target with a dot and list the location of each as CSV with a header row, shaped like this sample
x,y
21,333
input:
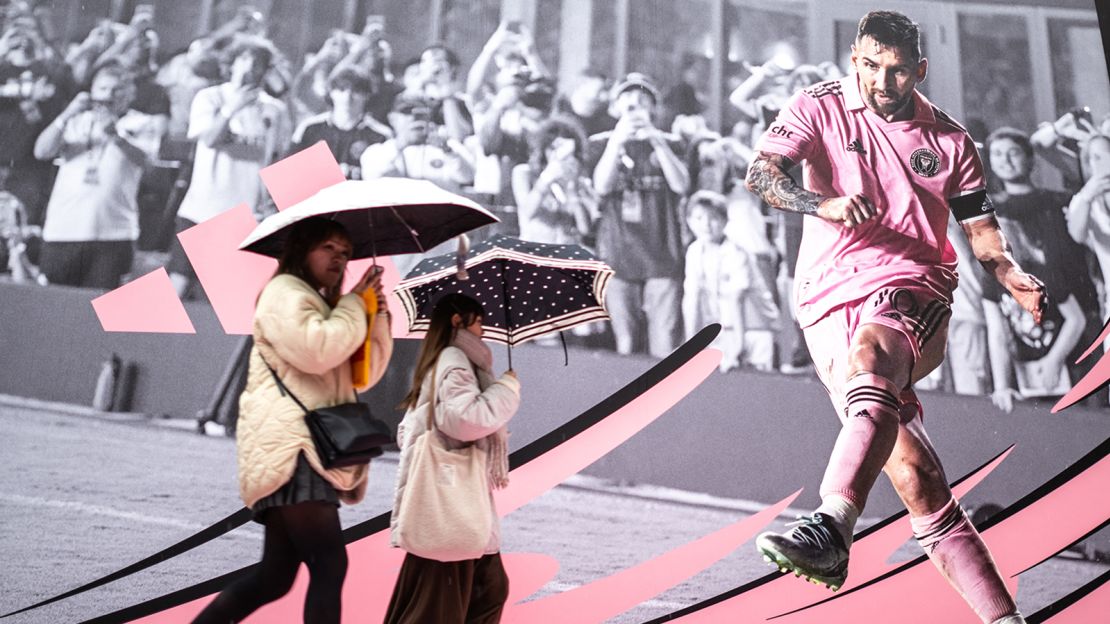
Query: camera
x,y
1082,112
535,91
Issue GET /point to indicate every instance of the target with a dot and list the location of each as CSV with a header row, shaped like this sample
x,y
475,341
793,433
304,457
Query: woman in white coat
x,y
471,406
305,332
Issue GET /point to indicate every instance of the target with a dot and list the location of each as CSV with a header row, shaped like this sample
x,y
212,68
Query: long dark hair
x,y
303,237
551,129
440,333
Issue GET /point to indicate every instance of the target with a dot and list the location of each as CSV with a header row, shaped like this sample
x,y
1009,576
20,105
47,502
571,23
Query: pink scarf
x,y
497,442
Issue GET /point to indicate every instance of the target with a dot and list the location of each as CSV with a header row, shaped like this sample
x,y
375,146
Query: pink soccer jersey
x,y
909,169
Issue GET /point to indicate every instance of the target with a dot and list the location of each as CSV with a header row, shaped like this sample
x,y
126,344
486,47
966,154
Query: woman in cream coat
x,y
306,332
471,407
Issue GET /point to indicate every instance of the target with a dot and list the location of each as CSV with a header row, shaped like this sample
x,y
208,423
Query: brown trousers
x,y
473,591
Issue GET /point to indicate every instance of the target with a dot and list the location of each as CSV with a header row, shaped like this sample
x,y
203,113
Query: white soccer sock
x,y
843,513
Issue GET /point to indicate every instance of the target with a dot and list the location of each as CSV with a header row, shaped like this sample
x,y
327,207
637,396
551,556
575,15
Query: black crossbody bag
x,y
345,434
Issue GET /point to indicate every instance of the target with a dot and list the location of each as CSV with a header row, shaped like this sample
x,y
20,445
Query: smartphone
x,y
374,23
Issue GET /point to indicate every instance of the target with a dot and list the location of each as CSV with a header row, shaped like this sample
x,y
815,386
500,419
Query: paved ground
x,y
82,497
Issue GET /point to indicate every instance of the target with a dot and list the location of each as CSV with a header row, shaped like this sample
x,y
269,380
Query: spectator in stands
x,y
1033,220
347,127
640,180
555,199
372,55
310,85
200,66
419,149
722,285
1059,143
15,233
1089,212
239,129
718,164
92,217
435,83
34,88
588,103
510,107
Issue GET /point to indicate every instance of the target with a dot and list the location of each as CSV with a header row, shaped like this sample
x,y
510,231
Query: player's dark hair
x,y
892,30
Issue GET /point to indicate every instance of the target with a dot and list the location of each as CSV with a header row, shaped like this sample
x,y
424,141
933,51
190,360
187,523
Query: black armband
x,y
971,205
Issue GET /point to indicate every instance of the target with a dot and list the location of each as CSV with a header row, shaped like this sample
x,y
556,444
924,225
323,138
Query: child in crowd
x,y
723,286
14,235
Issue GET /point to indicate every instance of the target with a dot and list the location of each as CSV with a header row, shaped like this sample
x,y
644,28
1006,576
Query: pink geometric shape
x,y
146,304
231,278
299,176
615,594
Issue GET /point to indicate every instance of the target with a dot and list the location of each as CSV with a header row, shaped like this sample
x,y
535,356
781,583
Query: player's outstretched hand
x,y
1028,291
849,211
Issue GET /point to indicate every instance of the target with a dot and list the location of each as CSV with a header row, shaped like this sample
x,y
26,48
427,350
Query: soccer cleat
x,y
813,548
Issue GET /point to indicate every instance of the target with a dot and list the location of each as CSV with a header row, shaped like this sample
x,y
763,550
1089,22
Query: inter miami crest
x,y
925,162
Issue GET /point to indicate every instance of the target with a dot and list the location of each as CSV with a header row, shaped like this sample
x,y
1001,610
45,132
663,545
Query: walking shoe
x,y
813,549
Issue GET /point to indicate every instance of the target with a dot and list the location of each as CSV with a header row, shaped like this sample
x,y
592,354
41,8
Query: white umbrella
x,y
384,217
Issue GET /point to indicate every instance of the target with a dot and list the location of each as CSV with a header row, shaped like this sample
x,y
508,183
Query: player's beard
x,y
889,108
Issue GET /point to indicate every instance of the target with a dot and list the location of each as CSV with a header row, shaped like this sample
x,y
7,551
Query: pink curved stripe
x,y
145,304
570,457
919,594
602,599
1093,607
1095,378
373,566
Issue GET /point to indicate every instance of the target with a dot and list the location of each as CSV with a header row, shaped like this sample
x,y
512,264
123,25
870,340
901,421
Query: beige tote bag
x,y
444,513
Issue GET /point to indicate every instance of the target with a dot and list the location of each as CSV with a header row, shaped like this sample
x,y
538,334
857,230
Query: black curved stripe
x,y
1105,523
234,521
575,426
1058,607
736,591
1072,471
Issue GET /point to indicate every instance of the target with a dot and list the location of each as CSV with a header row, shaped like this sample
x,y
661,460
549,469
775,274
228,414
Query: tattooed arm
x,y
768,178
991,248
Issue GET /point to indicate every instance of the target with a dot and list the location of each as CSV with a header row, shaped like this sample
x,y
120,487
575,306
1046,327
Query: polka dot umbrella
x,y
528,289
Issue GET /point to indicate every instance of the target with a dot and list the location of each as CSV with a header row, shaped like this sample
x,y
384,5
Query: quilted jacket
x,y
308,344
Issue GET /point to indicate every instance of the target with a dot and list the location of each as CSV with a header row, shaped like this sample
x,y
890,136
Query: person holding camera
x,y
555,198
508,108
347,127
641,179
34,88
420,149
92,217
239,129
370,54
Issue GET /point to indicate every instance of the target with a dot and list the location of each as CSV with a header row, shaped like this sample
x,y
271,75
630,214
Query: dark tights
x,y
308,532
